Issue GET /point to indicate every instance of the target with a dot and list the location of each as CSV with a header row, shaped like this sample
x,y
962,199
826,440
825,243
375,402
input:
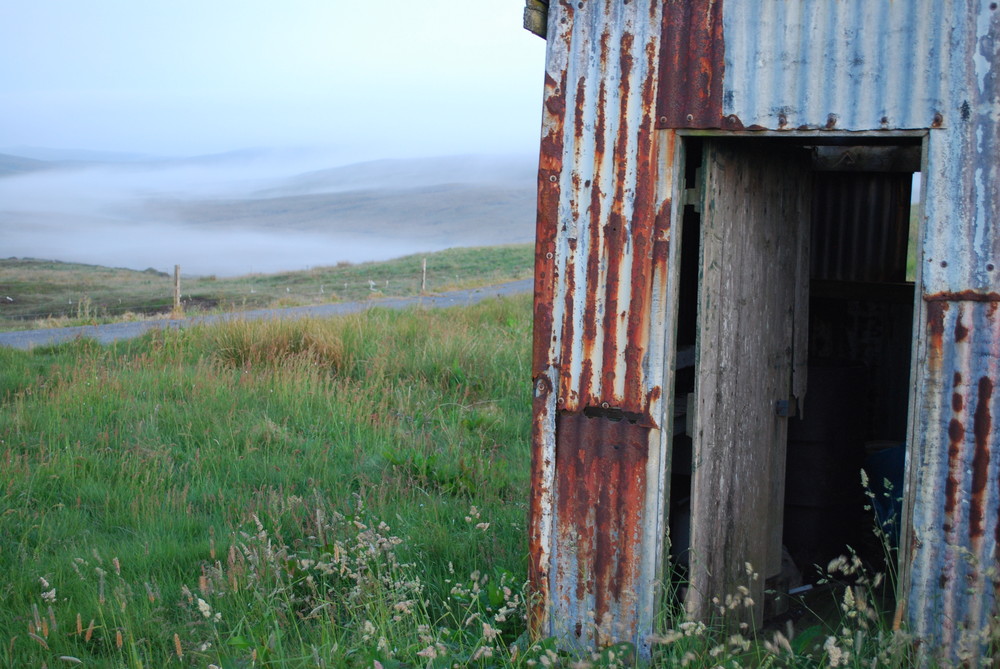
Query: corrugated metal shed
x,y
628,82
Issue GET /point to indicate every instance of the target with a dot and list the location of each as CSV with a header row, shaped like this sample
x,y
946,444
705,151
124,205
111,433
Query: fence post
x,y
177,289
423,276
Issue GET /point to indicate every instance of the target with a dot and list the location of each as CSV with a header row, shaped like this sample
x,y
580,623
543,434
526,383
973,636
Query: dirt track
x,y
105,334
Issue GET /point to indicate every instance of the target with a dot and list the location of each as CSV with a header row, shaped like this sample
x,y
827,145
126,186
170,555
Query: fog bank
x,y
261,211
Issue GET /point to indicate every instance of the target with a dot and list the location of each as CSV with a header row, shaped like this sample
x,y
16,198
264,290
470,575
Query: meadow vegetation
x,y
45,293
349,492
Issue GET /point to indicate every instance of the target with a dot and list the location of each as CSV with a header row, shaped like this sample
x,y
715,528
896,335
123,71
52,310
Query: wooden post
x,y
177,289
423,277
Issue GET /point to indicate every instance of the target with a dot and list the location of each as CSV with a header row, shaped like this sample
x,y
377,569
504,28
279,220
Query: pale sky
x,y
393,78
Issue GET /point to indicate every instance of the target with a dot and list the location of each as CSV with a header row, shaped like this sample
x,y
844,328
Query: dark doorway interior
x,y
859,325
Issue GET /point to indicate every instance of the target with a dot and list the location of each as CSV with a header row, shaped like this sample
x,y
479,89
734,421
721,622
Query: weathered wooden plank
x,y
750,227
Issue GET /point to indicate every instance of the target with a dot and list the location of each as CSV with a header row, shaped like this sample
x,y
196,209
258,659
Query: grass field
x,y
349,492
43,293
257,469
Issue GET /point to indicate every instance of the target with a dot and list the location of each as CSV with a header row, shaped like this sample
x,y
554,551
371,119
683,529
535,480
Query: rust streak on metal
x,y
600,507
962,296
935,323
982,424
566,391
691,65
549,168
614,246
956,435
961,332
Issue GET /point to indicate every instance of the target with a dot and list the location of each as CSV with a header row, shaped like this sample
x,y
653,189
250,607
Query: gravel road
x,y
105,334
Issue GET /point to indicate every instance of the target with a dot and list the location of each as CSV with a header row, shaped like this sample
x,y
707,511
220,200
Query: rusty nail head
x,y
548,256
553,178
938,120
560,401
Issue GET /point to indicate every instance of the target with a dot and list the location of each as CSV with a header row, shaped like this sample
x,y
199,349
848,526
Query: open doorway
x,y
793,331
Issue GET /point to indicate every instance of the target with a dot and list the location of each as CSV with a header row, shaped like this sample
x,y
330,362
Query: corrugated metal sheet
x,y
601,255
691,65
596,197
954,580
955,452
838,64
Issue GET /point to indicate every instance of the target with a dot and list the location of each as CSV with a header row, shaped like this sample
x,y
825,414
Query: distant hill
x,y
516,171
449,201
12,165
443,214
73,155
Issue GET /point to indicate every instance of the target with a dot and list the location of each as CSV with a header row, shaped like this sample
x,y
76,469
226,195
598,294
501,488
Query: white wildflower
x,y
835,653
481,652
204,607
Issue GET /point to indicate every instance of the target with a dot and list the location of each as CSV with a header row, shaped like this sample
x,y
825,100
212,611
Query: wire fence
x,y
205,293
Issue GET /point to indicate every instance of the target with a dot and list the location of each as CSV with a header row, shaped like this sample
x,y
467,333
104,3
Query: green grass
x,y
144,462
45,293
306,494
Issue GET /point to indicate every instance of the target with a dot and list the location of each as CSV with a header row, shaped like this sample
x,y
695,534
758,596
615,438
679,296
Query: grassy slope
x,y
130,471
86,293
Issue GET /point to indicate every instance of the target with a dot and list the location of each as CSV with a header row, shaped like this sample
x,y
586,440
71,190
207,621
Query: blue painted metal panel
x,y
956,462
837,64
953,579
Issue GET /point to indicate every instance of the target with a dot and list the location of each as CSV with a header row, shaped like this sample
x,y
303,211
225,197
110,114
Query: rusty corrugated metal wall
x,y
597,516
617,68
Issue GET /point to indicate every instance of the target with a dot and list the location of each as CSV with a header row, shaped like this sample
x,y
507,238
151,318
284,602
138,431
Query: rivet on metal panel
x,y
605,405
561,401
690,118
885,122
553,178
938,120
831,121
663,119
989,267
782,120
944,263
549,256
